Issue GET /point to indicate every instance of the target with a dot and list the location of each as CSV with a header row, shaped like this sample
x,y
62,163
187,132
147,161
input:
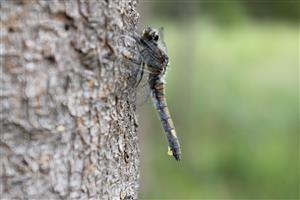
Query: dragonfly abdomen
x,y
158,87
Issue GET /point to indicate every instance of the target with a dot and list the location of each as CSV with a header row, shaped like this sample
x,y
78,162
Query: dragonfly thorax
x,y
153,51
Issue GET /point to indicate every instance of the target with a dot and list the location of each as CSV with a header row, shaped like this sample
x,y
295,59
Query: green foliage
x,y
226,11
233,94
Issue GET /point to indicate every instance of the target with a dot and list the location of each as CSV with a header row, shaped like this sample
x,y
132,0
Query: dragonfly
x,y
153,59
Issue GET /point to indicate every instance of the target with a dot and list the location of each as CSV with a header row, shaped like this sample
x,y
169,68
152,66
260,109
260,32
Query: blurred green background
x,y
232,89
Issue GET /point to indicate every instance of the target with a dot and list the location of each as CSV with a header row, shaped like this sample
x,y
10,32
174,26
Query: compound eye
x,y
155,37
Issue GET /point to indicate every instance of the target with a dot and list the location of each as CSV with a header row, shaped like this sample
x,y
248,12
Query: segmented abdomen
x,y
157,86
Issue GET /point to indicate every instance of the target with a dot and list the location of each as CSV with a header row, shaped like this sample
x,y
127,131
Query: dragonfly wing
x,y
138,93
143,93
162,39
161,33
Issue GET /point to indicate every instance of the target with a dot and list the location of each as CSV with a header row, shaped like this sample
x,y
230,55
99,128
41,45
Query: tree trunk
x,y
67,129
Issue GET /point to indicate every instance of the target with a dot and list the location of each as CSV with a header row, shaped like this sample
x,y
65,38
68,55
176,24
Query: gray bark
x,y
67,129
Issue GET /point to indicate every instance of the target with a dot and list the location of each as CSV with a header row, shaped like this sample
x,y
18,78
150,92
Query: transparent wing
x,y
130,50
143,93
162,39
161,33
138,87
134,71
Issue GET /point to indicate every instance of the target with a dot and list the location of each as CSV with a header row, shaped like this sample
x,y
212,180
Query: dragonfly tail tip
x,y
177,157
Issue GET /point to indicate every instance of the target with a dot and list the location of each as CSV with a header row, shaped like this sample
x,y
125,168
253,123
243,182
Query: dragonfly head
x,y
156,46
150,34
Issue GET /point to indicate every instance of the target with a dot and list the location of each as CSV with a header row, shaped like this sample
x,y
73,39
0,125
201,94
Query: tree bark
x,y
67,128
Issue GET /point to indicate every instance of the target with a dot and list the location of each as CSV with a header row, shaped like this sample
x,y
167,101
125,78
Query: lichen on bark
x,y
66,129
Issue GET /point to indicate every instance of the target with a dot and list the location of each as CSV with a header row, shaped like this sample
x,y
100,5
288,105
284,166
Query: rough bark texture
x,y
67,130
